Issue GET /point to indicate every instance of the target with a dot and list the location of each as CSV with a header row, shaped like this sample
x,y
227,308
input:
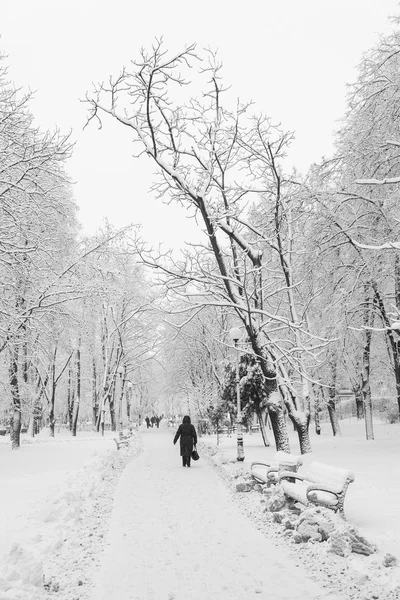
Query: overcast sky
x,y
292,57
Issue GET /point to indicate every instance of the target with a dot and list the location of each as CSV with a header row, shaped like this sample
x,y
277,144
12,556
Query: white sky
x,y
293,57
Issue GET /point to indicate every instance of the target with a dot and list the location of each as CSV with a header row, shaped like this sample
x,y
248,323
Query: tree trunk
x,y
332,412
302,428
278,422
37,408
397,373
95,400
112,414
396,342
368,321
15,426
366,387
52,420
359,404
111,401
317,419
261,412
300,419
78,388
70,399
274,401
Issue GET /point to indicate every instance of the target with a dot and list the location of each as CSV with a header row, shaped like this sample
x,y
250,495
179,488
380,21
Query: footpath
x,y
175,533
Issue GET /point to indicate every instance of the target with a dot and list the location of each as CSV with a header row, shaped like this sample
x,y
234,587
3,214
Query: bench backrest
x,y
283,458
322,473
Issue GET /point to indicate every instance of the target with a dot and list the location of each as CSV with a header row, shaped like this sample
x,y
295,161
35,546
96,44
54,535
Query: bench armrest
x,y
257,463
323,487
291,475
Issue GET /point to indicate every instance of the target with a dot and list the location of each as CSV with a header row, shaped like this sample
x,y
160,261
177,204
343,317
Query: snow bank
x,y
59,532
371,502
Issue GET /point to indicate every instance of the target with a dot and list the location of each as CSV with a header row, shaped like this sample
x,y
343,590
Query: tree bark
x,y
359,403
261,412
52,420
78,388
332,412
15,426
317,419
70,399
366,387
300,419
95,399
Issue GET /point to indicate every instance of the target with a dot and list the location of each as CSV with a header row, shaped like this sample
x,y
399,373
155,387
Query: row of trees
x,y
75,312
307,266
303,264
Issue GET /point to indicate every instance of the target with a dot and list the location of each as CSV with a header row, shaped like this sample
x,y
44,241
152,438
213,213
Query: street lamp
x,y
235,335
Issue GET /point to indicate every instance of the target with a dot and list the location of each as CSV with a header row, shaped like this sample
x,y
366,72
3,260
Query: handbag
x,y
195,454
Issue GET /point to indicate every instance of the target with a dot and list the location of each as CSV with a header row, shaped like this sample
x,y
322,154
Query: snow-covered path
x,y
175,533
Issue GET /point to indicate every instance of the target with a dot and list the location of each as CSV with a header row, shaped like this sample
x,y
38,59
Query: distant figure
x,y
152,421
157,420
188,435
147,422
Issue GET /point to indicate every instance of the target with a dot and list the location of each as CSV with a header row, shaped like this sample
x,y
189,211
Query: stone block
x,y
242,486
289,523
278,517
389,560
277,501
359,544
308,531
339,544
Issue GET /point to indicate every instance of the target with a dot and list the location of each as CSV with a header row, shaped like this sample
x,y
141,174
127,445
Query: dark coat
x,y
188,435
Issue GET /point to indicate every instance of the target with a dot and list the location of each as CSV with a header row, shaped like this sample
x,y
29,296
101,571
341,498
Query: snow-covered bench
x,y
318,484
281,461
123,441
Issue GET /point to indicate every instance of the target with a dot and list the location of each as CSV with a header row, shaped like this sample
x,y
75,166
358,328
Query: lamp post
x,y
235,334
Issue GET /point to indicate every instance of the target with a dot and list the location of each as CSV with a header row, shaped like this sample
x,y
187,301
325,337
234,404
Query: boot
x,y
188,461
183,461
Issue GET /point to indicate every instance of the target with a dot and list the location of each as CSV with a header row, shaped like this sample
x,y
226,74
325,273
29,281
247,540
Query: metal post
x,y
240,449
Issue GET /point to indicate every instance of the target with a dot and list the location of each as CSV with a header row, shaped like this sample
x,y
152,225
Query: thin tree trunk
x,y
112,413
70,398
397,373
359,403
52,420
365,371
15,428
95,400
332,412
396,342
260,414
317,419
78,388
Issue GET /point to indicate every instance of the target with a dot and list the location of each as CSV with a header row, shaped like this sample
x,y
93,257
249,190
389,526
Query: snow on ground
x,y
176,533
51,490
372,500
91,522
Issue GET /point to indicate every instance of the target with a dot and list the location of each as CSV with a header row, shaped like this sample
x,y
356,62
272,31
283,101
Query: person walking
x,y
188,435
147,422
